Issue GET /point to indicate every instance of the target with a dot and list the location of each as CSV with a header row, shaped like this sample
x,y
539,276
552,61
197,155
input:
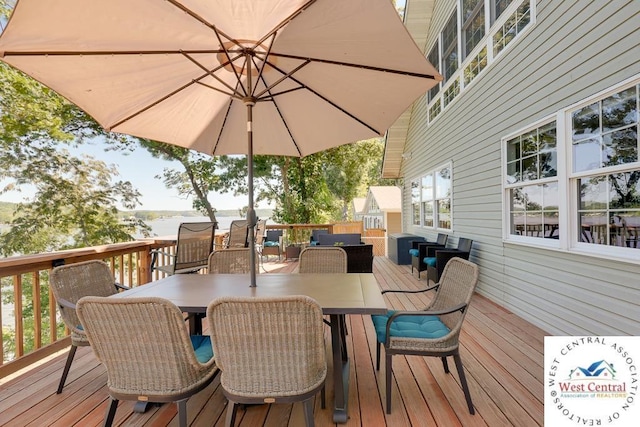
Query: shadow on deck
x,y
501,352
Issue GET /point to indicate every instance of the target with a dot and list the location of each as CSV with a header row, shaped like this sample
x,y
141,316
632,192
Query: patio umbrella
x,y
289,77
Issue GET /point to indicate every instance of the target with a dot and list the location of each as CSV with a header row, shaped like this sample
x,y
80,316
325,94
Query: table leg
x,y
195,323
340,370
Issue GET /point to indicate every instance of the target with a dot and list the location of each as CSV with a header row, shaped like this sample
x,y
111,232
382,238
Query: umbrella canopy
x,y
290,77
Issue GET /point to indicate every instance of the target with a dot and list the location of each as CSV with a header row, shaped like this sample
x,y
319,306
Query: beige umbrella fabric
x,y
290,77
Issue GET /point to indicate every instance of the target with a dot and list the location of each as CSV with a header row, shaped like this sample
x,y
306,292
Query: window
x,y
531,172
450,48
476,65
434,59
497,7
472,24
605,137
434,197
511,27
598,206
415,202
427,201
486,28
605,133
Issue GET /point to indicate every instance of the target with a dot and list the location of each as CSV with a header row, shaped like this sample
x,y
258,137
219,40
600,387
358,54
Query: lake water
x,y
169,226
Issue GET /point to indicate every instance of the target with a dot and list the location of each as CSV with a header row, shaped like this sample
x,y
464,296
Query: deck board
x,y
501,352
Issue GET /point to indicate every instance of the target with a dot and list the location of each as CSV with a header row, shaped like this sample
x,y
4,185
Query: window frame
x,y
433,199
481,57
569,239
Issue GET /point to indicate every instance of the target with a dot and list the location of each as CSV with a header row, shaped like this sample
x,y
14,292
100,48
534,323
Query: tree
x,y
73,196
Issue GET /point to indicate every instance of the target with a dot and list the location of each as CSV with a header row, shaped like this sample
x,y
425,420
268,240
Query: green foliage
x,y
75,198
6,212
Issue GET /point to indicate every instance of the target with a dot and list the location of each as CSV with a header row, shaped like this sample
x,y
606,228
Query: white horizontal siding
x,y
574,50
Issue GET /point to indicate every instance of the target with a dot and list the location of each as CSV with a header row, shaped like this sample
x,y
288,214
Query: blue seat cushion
x,y
409,326
270,243
202,346
430,261
414,252
314,243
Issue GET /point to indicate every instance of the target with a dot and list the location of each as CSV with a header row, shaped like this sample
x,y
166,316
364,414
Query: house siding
x,y
573,51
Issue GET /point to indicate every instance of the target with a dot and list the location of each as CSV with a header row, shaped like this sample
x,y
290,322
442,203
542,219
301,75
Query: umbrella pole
x,y
251,213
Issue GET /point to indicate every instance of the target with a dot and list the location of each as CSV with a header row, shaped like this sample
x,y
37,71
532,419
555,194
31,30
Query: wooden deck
x,y
502,355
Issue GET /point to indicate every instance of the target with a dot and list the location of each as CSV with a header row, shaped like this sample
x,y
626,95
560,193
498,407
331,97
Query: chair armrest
x,y
411,292
154,256
159,252
63,303
121,287
459,307
429,249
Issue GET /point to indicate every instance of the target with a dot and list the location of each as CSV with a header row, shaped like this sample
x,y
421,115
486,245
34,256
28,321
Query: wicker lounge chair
x,y
230,261
194,244
147,351
433,331
71,282
270,350
323,259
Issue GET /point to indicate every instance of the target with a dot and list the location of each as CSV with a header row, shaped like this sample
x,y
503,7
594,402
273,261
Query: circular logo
x,y
591,381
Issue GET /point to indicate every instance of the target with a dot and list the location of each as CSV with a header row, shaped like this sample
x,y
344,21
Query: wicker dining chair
x,y
323,259
433,331
148,354
71,282
269,350
231,261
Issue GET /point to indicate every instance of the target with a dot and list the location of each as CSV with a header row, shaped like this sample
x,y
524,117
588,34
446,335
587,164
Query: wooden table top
x,y
351,293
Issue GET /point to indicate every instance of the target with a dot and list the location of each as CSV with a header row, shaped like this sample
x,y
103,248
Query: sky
x,y
140,168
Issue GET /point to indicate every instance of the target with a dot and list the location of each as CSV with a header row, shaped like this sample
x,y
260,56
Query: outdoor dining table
x,y
337,294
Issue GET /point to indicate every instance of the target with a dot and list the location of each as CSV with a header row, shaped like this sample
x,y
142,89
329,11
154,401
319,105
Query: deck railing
x,y
31,327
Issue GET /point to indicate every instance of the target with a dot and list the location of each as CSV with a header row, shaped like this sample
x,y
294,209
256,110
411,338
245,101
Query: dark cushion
x,y
409,326
430,261
341,239
202,347
414,252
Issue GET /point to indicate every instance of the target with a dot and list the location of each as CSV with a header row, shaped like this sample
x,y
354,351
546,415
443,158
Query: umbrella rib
x,y
153,104
328,101
347,64
280,80
286,21
264,63
211,73
107,52
222,127
284,122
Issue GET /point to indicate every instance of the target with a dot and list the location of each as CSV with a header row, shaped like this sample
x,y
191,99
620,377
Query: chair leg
x,y
323,398
230,421
463,382
67,366
308,412
445,365
182,412
111,413
387,374
378,357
